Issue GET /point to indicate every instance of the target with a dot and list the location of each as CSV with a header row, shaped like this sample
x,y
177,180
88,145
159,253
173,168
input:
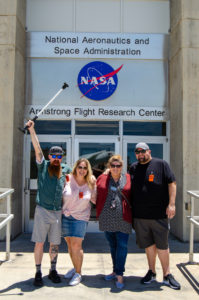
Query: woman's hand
x,y
107,171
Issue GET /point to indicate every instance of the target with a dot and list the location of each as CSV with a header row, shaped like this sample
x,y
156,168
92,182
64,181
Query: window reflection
x,y
97,127
144,128
53,127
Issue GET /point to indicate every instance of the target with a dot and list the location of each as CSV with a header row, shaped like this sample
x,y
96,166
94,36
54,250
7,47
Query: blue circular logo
x,y
97,80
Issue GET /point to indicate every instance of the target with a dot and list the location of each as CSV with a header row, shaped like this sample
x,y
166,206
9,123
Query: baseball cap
x,y
56,150
142,145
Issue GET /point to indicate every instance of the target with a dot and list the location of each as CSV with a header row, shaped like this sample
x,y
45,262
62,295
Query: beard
x,y
54,169
142,160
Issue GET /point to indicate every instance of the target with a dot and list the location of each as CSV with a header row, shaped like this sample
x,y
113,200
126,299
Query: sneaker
x,y
76,279
54,276
38,279
148,278
110,276
69,274
119,285
170,281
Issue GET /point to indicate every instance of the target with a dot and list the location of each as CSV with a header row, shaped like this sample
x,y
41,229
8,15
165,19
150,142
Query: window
x,y
53,127
144,128
97,128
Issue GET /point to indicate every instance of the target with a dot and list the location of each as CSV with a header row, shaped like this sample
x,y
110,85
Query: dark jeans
x,y
118,245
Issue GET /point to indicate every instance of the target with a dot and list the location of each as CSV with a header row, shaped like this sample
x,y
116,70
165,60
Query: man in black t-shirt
x,y
153,204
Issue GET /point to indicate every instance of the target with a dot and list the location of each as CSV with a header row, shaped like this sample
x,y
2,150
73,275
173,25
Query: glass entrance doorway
x,y
98,154
30,171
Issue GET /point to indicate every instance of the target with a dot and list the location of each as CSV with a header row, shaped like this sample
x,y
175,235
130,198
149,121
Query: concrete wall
x,y
12,90
184,107
138,16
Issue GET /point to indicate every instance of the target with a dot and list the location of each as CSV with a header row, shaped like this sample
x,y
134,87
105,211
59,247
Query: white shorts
x,y
47,222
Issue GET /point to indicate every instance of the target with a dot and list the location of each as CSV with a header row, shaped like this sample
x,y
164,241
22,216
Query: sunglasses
x,y
82,168
140,151
115,166
58,156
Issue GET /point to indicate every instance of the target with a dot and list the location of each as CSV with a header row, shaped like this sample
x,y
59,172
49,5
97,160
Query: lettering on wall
x,y
97,45
102,113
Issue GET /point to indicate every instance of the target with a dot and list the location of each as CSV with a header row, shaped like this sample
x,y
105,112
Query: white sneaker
x,y
69,274
76,279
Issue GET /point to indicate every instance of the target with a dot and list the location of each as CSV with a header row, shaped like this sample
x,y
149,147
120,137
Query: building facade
x,y
132,71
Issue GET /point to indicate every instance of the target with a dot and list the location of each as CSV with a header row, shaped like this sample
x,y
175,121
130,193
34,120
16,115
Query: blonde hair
x,y
89,176
113,158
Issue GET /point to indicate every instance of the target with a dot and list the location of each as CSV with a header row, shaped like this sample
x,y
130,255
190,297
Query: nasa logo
x,y
97,80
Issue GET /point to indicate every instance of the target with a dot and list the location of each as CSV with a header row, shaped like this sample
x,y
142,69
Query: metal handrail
x,y
6,193
194,220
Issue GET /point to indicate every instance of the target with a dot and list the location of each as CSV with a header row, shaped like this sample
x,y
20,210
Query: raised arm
x,y
38,152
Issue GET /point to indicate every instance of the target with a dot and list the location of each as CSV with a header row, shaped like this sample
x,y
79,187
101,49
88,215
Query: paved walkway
x,y
16,276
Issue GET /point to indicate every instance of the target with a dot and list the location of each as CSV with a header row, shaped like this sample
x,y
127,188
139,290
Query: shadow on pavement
x,y
94,243
132,283
189,276
27,286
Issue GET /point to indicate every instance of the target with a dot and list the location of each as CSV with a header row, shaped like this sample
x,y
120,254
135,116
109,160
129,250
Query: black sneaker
x,y
54,276
38,279
149,277
170,281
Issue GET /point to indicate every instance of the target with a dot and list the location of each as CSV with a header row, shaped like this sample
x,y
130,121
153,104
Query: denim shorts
x,y
72,227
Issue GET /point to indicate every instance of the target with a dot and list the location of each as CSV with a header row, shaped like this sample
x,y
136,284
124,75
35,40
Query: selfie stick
x,y
65,85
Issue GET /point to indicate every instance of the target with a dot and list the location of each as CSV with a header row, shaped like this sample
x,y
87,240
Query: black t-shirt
x,y
150,195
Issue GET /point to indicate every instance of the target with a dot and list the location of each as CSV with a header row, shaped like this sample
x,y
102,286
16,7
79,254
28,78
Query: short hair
x,y
113,158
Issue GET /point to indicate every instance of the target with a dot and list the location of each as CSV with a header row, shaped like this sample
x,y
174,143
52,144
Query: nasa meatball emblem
x,y
98,80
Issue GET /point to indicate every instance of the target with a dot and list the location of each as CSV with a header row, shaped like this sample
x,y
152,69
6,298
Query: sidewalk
x,y
16,276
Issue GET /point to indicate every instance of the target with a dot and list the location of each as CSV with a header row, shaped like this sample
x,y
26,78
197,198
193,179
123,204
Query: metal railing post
x,y
6,193
194,220
191,232
8,230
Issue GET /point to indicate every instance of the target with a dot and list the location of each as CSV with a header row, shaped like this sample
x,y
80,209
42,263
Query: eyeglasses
x,y
115,166
58,156
140,151
82,168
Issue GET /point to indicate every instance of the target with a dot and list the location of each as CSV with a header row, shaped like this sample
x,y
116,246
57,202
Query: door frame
x,y
29,183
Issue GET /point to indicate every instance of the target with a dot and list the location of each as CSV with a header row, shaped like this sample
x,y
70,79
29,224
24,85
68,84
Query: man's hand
x,y
30,125
171,208
38,151
171,211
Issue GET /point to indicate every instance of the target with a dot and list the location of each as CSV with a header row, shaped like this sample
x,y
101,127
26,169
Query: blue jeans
x,y
118,245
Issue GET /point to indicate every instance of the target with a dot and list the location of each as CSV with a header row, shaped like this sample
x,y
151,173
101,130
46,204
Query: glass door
x,y
158,146
30,171
97,150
